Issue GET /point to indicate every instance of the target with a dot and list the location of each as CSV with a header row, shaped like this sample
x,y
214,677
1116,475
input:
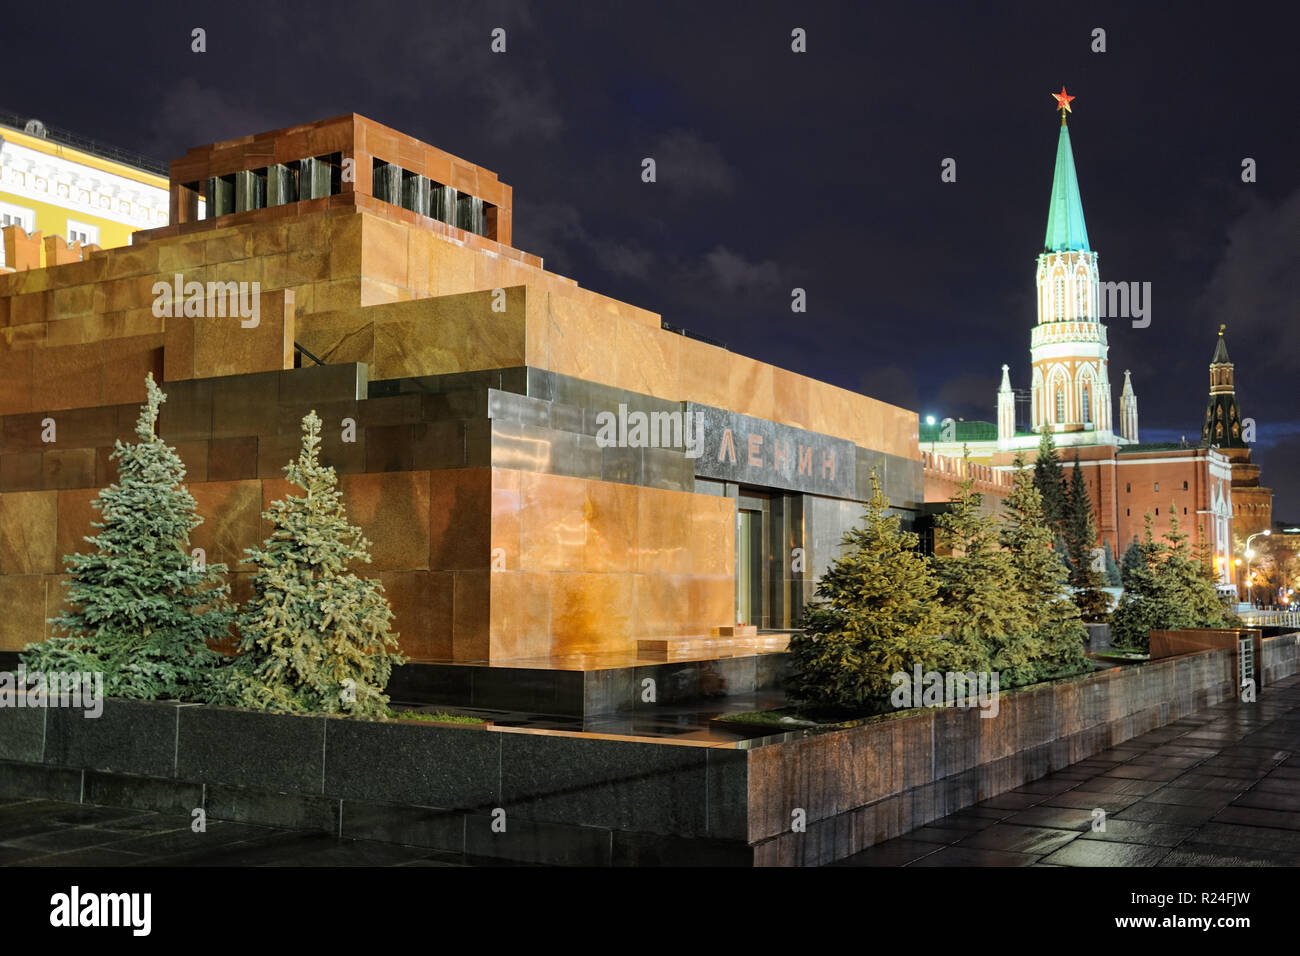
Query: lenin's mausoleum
x,y
464,390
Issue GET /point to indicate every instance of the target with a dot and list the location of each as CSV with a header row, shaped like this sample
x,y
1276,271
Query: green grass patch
x,y
435,717
789,718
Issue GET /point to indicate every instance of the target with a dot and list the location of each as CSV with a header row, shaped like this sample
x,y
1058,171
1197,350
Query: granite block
x,y
298,811
232,459
130,736
142,793
606,783
728,794
31,781
214,743
22,733
453,766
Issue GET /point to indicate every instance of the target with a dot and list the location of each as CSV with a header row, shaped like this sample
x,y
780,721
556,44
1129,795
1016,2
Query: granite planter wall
x,y
863,785
573,798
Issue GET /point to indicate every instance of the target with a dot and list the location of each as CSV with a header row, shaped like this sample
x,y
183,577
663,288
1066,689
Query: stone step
x,y
707,647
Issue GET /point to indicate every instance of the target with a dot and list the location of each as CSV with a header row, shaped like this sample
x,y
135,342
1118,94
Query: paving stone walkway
x,y
49,833
1218,788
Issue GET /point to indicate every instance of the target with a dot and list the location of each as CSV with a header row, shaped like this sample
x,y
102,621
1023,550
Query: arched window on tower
x,y
1060,405
1080,297
1087,404
1060,297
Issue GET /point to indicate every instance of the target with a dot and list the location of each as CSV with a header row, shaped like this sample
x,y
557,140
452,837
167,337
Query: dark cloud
x,y
734,274
1255,286
690,165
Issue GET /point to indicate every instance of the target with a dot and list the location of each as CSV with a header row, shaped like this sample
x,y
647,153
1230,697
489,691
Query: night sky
x,y
775,169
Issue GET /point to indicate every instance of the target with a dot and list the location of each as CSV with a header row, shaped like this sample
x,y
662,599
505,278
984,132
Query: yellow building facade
x,y
59,184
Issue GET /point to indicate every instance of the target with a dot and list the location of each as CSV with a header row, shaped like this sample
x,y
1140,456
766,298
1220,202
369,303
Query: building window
x,y
1060,297
1184,486
1128,487
1157,486
1060,406
1157,512
1184,509
17,216
1087,405
1128,512
81,232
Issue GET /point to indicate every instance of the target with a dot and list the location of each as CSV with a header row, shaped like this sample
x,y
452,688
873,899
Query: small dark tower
x,y
1222,425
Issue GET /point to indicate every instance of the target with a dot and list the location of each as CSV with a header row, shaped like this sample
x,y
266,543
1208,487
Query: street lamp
x,y
1250,590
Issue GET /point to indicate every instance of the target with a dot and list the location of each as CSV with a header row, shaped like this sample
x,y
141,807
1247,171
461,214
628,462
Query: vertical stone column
x,y
388,183
313,179
442,203
469,214
280,186
220,196
250,191
415,193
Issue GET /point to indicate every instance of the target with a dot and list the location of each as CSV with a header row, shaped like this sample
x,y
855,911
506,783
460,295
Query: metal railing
x,y
68,138
302,351
1271,618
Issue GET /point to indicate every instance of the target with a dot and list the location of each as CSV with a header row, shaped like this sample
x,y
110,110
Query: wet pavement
x,y
49,833
1218,788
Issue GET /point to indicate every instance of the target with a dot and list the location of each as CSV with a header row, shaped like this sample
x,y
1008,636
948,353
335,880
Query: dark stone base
x,y
582,694
454,831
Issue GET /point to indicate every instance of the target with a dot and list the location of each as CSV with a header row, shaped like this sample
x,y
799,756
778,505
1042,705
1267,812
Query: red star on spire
x,y
1063,102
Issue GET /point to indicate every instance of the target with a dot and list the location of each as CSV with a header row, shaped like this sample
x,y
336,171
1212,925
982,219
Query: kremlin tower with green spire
x,y
1070,386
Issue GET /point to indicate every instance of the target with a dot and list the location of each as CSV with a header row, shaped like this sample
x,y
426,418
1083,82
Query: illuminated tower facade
x,y
1070,380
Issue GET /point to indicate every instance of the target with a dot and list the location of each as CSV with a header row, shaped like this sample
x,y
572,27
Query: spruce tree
x,y
1053,643
1190,579
140,609
1049,478
984,607
315,637
1144,605
1079,528
1133,559
1062,553
1166,588
876,616
1111,575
